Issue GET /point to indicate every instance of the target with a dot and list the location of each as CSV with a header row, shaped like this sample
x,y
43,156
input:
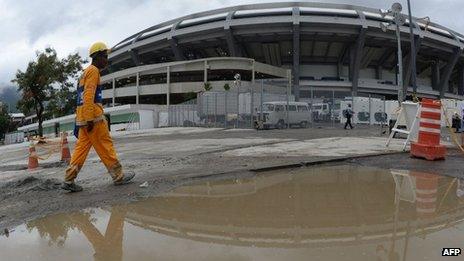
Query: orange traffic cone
x,y
33,158
65,153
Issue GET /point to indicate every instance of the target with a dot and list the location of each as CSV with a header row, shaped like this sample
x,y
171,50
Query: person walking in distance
x,y
91,126
348,113
456,122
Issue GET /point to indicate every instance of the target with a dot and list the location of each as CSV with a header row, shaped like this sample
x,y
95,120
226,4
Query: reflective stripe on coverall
x,y
89,108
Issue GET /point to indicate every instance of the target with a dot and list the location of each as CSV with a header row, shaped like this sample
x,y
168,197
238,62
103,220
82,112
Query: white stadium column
x,y
137,84
114,93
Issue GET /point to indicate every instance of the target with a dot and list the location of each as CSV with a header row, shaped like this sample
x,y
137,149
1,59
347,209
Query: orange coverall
x,y
90,108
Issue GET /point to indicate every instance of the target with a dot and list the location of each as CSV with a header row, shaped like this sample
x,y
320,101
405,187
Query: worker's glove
x,y
90,125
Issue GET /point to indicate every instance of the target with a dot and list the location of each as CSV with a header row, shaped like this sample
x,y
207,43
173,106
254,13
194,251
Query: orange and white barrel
x,y
428,142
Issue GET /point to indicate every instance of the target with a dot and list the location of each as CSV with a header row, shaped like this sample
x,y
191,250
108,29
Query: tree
x,y
46,85
57,227
5,121
63,103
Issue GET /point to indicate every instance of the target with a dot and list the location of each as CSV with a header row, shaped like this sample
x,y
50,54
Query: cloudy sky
x,y
70,26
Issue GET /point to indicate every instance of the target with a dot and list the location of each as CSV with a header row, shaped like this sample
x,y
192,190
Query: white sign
x,y
461,109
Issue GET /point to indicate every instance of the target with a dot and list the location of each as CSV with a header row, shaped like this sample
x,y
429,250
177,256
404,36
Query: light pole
x,y
413,51
398,20
237,83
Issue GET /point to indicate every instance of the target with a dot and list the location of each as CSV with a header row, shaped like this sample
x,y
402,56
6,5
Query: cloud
x,y
71,26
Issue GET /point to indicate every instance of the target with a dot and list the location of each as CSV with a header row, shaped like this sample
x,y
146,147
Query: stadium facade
x,y
327,47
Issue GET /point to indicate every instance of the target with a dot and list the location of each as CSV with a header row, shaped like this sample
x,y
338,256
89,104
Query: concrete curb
x,y
277,167
322,161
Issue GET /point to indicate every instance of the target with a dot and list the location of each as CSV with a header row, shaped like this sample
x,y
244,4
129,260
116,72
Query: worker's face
x,y
102,61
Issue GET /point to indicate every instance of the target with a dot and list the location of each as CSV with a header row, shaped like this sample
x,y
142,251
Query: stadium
x,y
326,55
331,49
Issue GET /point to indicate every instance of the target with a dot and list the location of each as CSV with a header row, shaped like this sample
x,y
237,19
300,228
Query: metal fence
x,y
241,109
327,107
235,108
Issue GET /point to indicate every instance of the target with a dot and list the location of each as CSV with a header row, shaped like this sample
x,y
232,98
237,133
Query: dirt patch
x,y
21,182
13,167
24,167
28,184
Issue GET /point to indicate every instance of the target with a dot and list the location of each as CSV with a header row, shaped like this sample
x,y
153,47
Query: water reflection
x,y
109,245
365,213
55,229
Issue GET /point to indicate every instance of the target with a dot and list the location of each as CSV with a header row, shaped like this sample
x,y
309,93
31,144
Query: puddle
x,y
326,213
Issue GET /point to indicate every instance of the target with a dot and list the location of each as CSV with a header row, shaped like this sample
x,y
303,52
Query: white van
x,y
321,111
275,115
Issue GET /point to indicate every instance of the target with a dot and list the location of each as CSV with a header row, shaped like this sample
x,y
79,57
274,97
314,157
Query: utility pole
x,y
401,93
413,51
398,20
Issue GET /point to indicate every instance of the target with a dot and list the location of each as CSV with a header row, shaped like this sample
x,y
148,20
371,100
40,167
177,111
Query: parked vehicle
x,y
320,111
335,111
275,115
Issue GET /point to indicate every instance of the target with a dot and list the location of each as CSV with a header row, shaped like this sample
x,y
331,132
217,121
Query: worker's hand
x,y
90,126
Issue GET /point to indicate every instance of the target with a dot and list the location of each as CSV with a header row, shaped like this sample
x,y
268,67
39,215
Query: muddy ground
x,y
168,158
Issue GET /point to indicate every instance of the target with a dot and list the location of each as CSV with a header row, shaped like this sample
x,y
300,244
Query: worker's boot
x,y
120,178
126,179
71,174
71,187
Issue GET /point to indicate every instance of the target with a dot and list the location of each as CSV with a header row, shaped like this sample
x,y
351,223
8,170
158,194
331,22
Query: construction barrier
x,y
428,143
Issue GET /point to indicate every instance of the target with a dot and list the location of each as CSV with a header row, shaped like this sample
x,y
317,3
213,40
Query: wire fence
x,y
328,107
236,108
261,104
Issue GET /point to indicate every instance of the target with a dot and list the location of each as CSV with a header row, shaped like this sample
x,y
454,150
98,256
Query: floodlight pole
x,y
289,91
398,20
400,65
237,83
413,51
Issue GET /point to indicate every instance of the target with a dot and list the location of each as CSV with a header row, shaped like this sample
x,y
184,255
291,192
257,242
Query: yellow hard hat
x,y
98,47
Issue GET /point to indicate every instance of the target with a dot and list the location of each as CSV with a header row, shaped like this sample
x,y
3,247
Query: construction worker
x,y
92,128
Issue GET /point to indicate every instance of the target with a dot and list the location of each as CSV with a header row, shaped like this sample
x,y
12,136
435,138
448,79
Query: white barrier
x,y
367,110
15,137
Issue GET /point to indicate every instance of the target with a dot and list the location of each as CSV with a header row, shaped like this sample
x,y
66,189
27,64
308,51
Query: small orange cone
x,y
65,153
33,158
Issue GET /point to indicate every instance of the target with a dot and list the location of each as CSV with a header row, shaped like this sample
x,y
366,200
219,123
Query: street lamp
x,y
413,52
399,20
237,83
